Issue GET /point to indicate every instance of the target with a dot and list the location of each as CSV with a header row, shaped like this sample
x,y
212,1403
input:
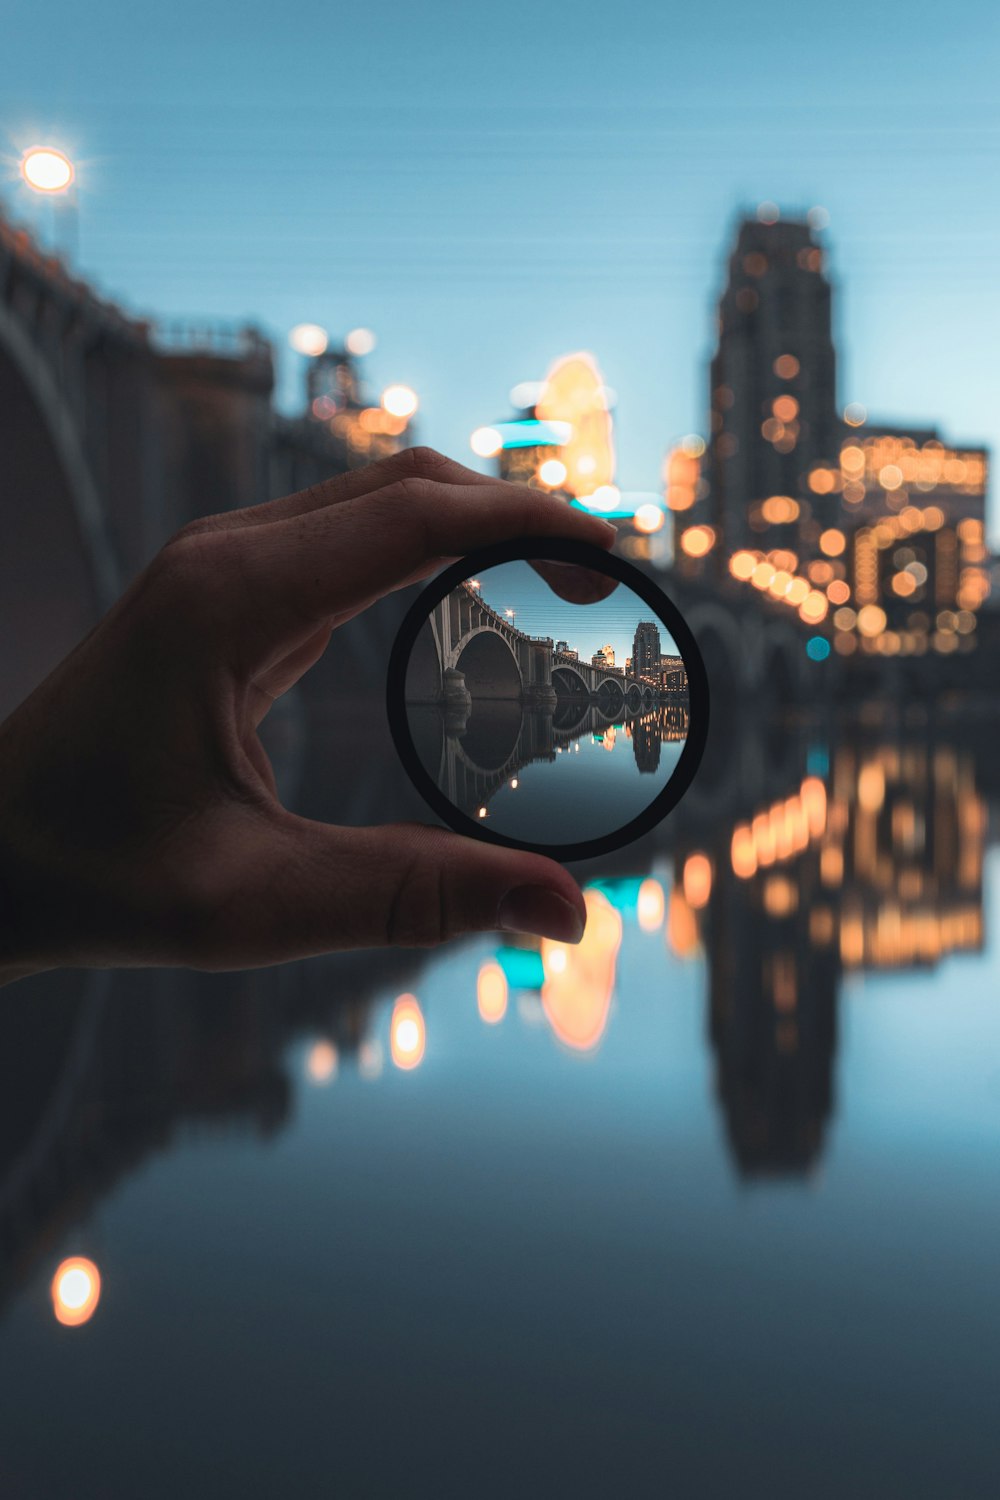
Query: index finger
x,y
310,567
408,463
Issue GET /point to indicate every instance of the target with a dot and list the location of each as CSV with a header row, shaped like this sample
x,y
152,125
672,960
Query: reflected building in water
x,y
881,868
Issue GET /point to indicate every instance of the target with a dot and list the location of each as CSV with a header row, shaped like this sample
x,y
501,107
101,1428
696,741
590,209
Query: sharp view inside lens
x,y
541,717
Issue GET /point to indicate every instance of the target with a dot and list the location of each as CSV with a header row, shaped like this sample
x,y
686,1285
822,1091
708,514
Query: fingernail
x,y
534,909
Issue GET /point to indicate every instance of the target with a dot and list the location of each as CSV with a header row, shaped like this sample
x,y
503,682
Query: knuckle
x,y
422,461
416,489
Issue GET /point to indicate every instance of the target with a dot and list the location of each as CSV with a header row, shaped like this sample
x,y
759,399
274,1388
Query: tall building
x,y
646,649
772,399
604,656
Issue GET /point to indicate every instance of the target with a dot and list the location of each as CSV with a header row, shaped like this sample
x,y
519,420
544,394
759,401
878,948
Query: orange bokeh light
x,y
580,979
491,993
697,880
407,1033
76,1291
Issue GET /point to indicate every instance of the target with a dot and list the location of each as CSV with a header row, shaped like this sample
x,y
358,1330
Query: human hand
x,y
139,818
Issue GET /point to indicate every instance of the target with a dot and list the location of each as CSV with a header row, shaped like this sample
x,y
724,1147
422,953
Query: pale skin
x,y
139,818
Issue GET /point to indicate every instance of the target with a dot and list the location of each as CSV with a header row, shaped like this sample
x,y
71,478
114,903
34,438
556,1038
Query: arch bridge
x,y
470,650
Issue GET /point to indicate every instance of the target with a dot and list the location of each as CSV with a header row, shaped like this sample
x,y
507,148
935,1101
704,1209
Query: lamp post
x,y
49,172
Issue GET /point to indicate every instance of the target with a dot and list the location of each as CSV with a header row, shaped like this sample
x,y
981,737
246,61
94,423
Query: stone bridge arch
x,y
568,682
57,570
488,663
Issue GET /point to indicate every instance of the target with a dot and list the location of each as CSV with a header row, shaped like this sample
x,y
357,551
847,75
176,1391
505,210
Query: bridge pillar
x,y
454,693
538,689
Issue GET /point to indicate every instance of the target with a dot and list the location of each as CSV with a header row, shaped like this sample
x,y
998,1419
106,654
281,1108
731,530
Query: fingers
x,y
576,585
314,566
320,888
419,463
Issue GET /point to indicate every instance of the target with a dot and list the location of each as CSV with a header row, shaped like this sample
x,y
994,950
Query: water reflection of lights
x,y
370,1058
491,993
697,880
407,1033
321,1062
682,926
76,1291
580,980
650,905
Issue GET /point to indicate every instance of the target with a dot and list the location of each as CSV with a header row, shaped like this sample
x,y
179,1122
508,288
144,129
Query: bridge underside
x,y
49,591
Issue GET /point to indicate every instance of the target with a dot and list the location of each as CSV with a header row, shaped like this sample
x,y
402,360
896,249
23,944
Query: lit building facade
x,y
646,650
773,412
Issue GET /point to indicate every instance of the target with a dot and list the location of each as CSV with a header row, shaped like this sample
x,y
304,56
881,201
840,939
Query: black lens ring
x,y
583,555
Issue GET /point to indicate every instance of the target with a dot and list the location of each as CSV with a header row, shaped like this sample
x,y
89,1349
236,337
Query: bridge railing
x,y
219,339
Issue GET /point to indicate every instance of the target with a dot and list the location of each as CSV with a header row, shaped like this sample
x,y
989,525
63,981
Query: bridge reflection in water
x,y
611,766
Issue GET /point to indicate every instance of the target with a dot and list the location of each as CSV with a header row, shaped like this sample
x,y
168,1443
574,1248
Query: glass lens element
x,y
547,703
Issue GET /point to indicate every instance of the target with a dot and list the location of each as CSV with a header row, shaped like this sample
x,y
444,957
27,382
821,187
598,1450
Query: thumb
x,y
322,888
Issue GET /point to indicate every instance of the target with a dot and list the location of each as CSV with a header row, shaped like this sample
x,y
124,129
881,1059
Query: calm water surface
x,y
708,1206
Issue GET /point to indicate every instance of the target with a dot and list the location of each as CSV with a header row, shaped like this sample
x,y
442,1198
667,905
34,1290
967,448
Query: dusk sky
x,y
584,627
488,190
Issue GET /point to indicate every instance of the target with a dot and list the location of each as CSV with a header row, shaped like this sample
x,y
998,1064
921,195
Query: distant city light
x,y
309,339
486,442
76,1291
399,400
855,414
696,880
605,499
698,541
531,433
491,993
575,396
693,445
650,905
768,212
818,218
321,1063
552,472
648,518
360,341
407,1033
817,648
47,170
526,393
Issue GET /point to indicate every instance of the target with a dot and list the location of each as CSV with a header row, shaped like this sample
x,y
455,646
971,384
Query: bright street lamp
x,y
47,170
399,400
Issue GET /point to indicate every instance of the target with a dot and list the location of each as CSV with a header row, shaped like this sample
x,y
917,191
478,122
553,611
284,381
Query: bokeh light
x,y
400,400
309,339
486,442
360,341
552,472
76,1291
491,993
47,170
407,1033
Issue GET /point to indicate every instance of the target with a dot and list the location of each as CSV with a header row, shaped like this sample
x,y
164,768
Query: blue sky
x,y
490,189
584,627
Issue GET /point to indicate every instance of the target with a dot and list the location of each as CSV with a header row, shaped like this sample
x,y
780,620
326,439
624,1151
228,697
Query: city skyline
x,y
584,627
385,209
